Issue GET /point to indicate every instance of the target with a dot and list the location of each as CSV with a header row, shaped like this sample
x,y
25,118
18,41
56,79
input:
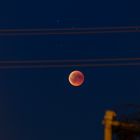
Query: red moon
x,y
76,78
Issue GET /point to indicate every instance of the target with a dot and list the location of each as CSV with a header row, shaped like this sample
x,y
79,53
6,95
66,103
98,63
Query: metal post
x,y
108,118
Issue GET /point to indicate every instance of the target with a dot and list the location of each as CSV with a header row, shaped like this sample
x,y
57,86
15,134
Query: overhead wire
x,y
69,66
69,31
73,60
100,62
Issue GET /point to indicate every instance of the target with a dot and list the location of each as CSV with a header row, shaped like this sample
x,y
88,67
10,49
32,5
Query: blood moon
x,y
76,78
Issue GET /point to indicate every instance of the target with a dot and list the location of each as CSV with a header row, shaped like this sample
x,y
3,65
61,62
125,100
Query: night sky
x,y
40,104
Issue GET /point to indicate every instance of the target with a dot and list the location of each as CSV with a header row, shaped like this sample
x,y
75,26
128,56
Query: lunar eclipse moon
x,y
76,78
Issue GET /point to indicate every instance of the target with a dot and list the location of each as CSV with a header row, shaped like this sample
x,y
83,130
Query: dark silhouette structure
x,y
127,128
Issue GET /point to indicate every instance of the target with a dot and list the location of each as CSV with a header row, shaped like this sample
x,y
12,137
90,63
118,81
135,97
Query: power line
x,y
73,28
69,31
69,65
100,62
113,59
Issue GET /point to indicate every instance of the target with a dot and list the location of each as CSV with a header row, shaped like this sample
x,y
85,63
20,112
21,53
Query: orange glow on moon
x,y
76,78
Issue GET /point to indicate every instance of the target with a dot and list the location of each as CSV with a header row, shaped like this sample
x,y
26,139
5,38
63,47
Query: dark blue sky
x,y
40,103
